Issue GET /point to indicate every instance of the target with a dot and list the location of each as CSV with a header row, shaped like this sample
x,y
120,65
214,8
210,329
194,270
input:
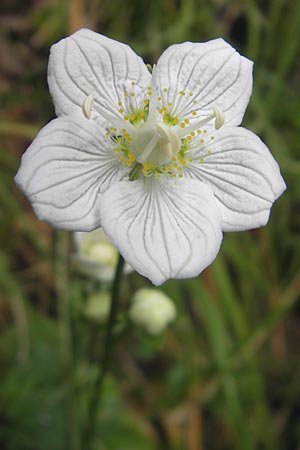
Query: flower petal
x,y
244,176
88,63
63,171
211,73
164,228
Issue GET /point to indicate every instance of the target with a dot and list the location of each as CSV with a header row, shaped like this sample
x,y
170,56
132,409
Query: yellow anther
x,y
192,133
204,131
120,103
190,159
146,101
133,83
182,125
181,92
159,99
202,141
209,152
194,113
175,165
121,110
199,131
125,94
169,104
125,117
194,101
132,116
131,156
165,89
201,159
186,120
191,94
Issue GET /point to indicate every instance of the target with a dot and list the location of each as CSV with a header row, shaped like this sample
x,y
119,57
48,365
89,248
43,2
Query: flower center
x,y
154,135
155,142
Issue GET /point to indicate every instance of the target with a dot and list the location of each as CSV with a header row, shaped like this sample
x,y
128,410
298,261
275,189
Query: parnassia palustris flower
x,y
157,159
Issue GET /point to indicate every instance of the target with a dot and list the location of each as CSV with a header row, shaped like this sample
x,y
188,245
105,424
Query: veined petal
x,y
64,170
243,174
88,63
163,228
203,75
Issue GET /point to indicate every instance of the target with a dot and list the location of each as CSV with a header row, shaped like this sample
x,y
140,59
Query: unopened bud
x,y
152,309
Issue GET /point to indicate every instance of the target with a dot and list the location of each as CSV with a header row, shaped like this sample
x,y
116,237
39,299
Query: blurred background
x,y
225,374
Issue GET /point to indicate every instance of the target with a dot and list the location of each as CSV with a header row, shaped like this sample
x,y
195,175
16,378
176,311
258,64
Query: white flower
x,y
157,160
152,309
95,256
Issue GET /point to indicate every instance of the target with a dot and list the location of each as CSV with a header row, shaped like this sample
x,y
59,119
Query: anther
x,y
219,116
87,106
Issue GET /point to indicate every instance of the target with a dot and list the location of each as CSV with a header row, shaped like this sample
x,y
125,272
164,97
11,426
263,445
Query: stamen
x,y
87,106
169,140
217,114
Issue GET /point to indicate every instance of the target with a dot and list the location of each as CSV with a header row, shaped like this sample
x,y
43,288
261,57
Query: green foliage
x,y
226,374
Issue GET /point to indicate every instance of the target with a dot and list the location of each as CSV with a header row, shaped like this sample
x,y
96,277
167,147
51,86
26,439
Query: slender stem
x,y
62,287
97,391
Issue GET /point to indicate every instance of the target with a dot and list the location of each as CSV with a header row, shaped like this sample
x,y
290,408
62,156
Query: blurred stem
x,y
76,15
285,302
287,57
61,283
97,391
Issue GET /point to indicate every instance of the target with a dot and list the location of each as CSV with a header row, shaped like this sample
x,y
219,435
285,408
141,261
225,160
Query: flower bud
x,y
95,256
152,309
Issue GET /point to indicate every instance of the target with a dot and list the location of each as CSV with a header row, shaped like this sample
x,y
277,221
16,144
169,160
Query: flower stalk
x,y
97,391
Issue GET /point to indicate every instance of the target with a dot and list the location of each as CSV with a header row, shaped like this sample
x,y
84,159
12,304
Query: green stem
x,y
62,287
97,391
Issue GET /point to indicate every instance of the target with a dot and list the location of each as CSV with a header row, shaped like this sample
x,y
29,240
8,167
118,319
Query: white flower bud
x,y
95,256
152,309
